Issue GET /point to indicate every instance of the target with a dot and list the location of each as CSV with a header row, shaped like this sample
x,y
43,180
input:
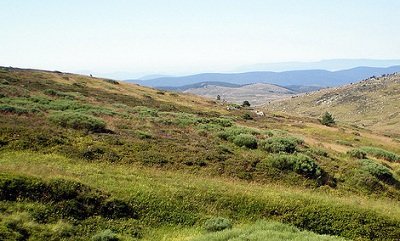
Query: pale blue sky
x,y
176,36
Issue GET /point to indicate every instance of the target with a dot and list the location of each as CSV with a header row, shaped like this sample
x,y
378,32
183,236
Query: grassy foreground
x,y
174,199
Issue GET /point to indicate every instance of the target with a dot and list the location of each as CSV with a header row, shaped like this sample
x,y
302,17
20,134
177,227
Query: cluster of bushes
x,y
57,93
78,121
281,144
298,163
381,153
36,103
241,136
4,108
68,199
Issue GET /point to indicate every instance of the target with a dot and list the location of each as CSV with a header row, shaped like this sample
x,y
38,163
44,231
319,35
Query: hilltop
x,y
89,158
372,103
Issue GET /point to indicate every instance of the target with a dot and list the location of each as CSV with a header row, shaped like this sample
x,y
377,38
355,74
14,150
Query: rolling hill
x,y
85,158
372,103
321,78
256,94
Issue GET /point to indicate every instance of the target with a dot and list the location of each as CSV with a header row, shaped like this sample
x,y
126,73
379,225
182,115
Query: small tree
x,y
246,103
327,119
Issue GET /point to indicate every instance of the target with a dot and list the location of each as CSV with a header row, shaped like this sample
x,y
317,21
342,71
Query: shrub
x,y
299,163
381,153
357,153
247,116
246,103
280,144
52,92
344,143
217,224
105,235
114,82
327,119
13,109
376,169
245,140
230,133
77,120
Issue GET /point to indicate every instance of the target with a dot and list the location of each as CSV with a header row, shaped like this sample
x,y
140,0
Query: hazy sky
x,y
167,36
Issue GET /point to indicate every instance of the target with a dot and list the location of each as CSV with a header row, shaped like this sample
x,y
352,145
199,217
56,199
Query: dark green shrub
x,y
298,163
381,153
14,109
247,116
280,144
245,140
246,103
77,120
217,224
106,235
357,153
376,169
230,133
114,82
327,119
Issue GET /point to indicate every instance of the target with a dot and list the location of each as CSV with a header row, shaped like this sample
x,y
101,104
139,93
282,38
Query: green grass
x,y
171,198
263,230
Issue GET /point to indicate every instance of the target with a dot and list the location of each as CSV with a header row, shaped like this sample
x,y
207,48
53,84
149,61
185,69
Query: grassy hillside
x,y
86,158
372,104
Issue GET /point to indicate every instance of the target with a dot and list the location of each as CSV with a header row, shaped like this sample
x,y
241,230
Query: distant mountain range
x,y
329,64
320,78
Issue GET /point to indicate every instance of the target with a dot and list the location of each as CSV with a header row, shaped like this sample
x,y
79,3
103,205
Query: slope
x,y
84,157
372,103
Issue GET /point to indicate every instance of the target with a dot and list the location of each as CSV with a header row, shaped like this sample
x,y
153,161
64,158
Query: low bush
x,y
245,140
217,224
16,110
376,169
298,163
77,120
344,143
280,144
357,153
381,153
230,133
105,235
52,92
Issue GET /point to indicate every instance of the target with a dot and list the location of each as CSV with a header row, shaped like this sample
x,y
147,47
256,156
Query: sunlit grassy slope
x,y
372,104
85,157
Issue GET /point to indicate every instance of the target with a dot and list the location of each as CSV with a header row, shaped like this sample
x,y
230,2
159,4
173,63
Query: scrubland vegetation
x,y
85,158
